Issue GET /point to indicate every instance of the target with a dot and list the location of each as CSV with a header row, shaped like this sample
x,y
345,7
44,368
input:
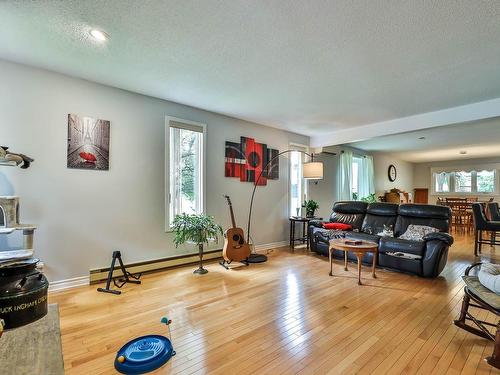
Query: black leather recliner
x,y
481,224
349,212
368,220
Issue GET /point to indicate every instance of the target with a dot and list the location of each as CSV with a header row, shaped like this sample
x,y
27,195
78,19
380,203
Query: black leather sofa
x,y
369,219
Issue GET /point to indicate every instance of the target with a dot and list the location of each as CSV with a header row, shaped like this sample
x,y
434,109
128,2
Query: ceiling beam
x,y
450,116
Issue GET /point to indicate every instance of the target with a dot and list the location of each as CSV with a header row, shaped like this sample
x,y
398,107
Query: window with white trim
x,y
485,181
185,169
298,186
356,169
442,182
462,182
465,182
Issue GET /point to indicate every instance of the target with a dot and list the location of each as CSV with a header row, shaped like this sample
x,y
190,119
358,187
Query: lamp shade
x,y
313,170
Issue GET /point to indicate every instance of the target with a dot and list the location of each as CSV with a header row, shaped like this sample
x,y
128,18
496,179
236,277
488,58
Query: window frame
x,y
496,181
358,160
434,182
189,126
304,184
454,185
473,170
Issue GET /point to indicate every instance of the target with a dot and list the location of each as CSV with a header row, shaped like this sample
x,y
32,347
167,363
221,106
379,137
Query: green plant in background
x,y
369,199
198,229
354,196
311,206
188,140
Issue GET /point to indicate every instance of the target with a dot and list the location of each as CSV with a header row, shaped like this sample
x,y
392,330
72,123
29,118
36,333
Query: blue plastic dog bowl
x,y
144,354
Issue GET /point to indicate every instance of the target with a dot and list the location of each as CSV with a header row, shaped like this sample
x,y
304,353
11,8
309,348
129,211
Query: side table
x,y
305,221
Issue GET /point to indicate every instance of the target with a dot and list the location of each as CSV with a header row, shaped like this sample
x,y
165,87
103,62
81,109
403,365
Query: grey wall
x,y
325,191
84,215
405,173
422,172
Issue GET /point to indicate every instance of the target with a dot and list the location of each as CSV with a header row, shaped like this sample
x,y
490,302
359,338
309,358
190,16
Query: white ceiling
x,y
480,139
312,67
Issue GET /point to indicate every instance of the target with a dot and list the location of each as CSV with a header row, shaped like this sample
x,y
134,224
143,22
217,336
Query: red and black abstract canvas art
x,y
247,159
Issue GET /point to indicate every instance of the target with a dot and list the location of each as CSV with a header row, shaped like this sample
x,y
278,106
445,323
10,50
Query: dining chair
x,y
461,215
494,211
482,224
494,214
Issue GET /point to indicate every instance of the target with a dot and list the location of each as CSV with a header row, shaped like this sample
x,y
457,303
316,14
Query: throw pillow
x,y
417,232
489,276
337,226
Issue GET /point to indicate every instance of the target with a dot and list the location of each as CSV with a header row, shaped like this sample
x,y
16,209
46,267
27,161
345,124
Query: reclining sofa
x,y
425,258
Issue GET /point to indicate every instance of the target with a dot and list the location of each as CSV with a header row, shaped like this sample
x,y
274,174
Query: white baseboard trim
x,y
55,286
59,285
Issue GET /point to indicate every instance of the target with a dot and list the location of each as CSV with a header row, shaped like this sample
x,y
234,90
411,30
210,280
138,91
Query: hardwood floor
x,y
286,316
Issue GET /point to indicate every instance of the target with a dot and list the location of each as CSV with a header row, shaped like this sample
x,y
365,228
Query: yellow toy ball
x,y
121,359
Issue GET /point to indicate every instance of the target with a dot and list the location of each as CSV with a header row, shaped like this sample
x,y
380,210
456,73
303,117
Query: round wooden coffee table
x,y
359,250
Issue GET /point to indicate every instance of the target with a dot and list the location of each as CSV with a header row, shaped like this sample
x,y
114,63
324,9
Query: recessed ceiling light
x,y
463,152
421,137
99,35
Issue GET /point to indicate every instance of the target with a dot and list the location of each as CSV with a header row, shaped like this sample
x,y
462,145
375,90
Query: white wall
x,y
405,174
84,215
422,172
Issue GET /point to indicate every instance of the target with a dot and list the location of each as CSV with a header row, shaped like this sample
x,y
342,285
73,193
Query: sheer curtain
x,y
366,177
345,176
442,179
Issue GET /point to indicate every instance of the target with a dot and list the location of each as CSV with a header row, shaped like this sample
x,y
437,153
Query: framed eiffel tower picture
x,y
88,143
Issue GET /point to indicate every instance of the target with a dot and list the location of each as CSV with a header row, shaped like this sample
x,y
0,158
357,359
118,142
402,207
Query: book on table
x,y
353,242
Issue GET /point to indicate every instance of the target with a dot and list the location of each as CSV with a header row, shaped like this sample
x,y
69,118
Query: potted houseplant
x,y
311,206
369,199
198,229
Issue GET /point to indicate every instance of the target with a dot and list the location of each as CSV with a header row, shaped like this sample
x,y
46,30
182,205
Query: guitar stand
x,y
127,276
226,264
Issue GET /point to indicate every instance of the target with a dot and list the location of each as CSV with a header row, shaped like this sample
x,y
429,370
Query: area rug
x,y
34,348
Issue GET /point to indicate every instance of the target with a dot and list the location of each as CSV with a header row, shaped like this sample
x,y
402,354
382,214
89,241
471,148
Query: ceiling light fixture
x,y
99,35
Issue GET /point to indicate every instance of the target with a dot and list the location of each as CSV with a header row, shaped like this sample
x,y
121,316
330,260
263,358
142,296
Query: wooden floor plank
x,y
286,316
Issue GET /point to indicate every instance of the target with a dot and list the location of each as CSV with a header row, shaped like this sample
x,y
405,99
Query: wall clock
x,y
392,173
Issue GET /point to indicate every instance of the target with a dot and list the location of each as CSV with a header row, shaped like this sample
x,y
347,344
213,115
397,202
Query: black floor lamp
x,y
312,170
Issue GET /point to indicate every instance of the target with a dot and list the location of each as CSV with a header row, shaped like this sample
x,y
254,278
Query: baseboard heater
x,y
100,274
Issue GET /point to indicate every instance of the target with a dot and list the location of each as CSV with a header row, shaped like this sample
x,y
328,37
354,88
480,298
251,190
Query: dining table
x,y
461,211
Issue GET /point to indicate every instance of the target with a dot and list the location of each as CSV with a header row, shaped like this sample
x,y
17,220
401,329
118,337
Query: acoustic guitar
x,y
235,246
